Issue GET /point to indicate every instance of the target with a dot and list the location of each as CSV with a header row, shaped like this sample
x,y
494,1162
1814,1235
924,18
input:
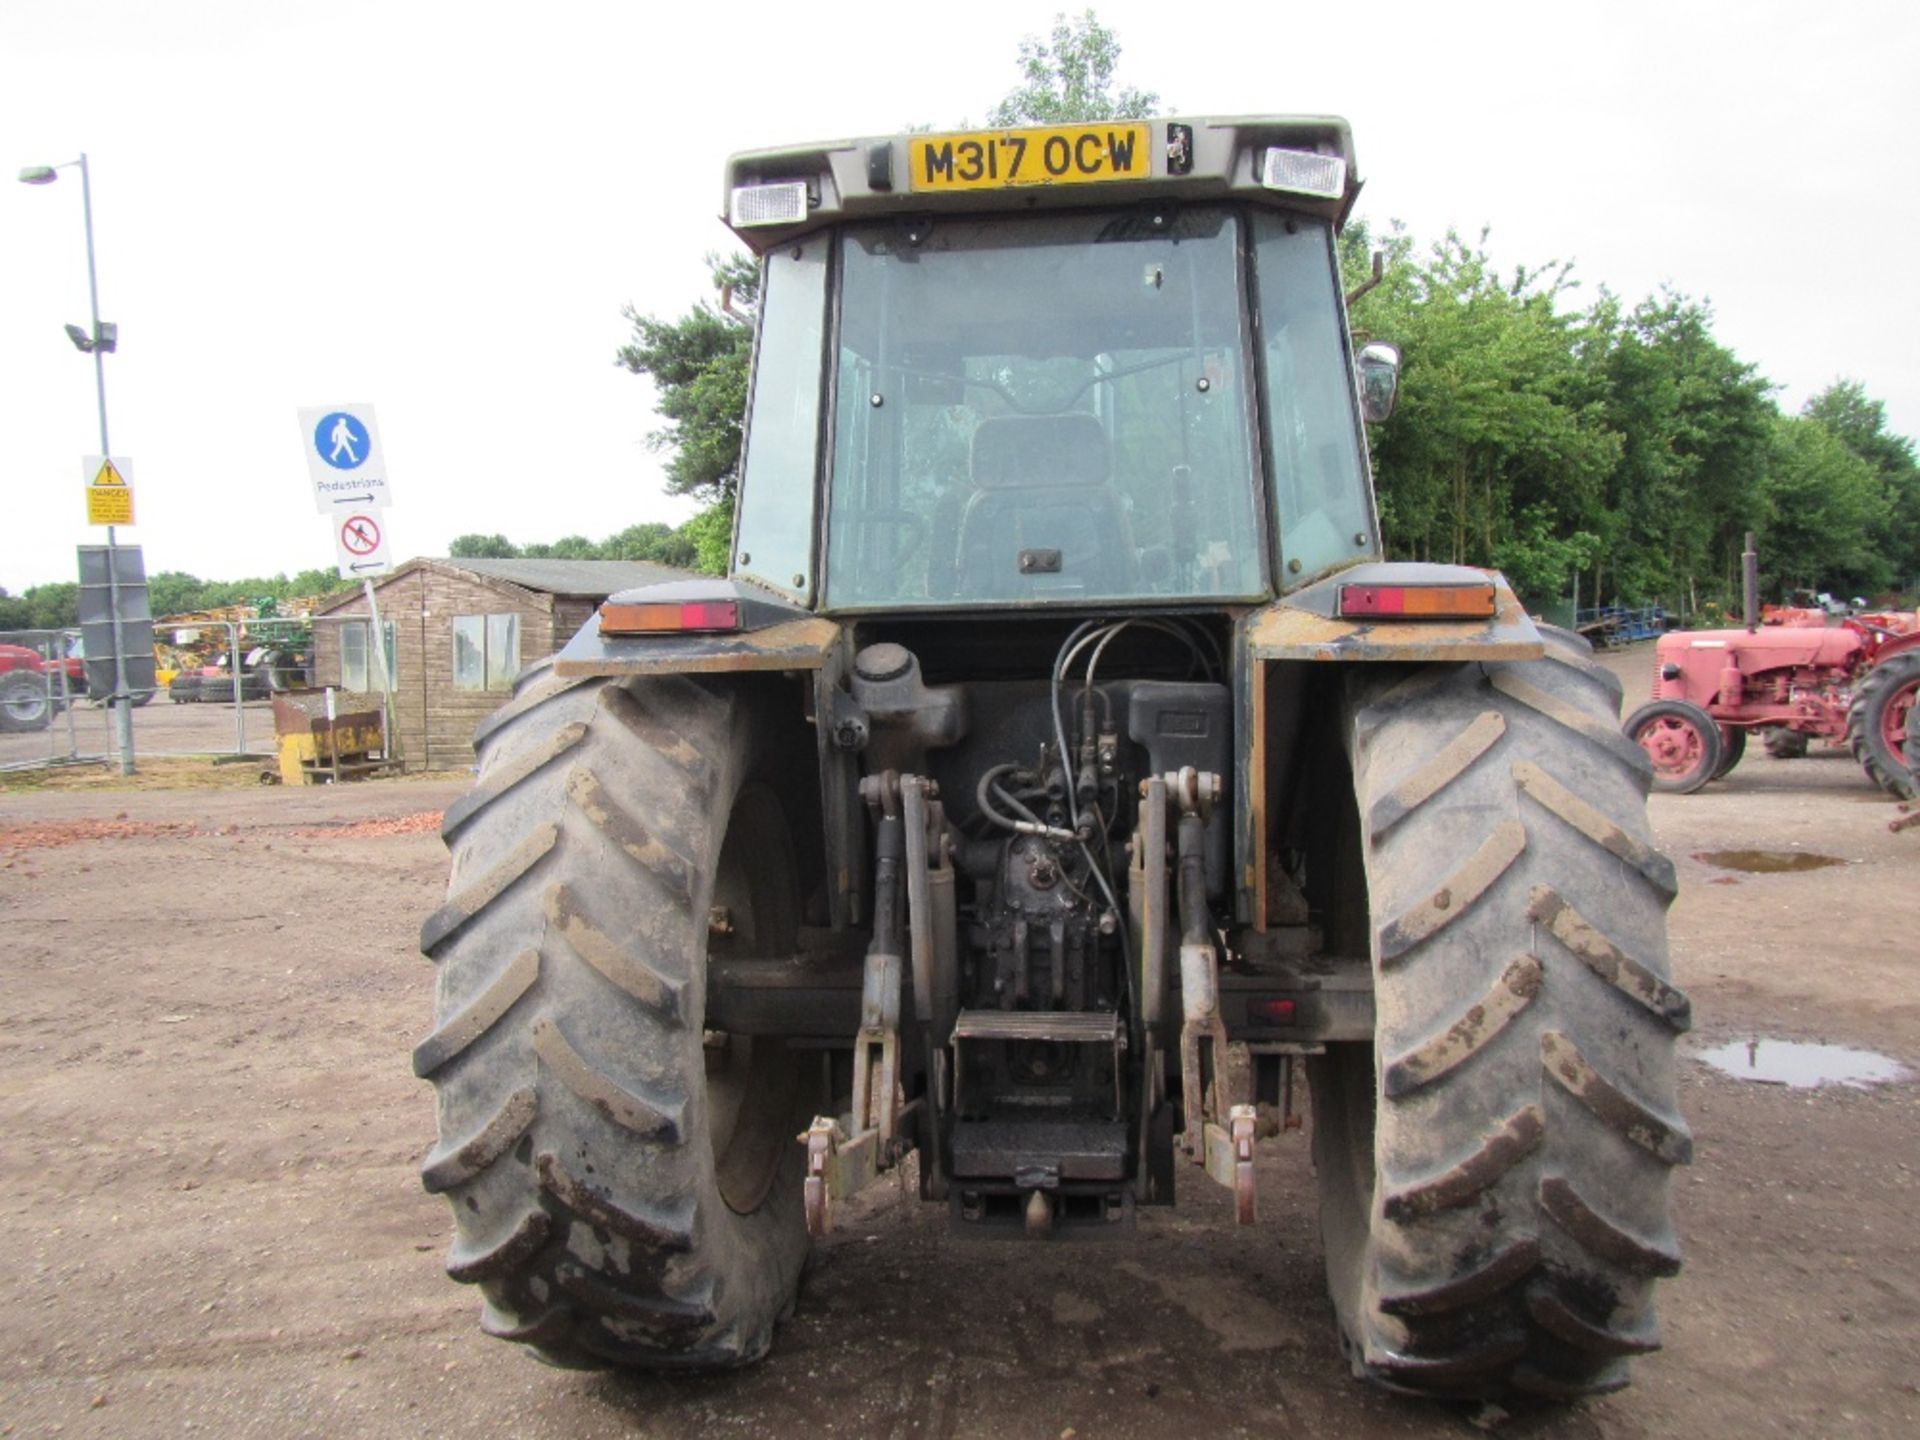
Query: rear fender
x,y
1306,625
1904,645
1303,632
773,637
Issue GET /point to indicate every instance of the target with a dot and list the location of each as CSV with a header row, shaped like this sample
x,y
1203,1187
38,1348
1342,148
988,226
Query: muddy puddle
x,y
1766,862
1800,1065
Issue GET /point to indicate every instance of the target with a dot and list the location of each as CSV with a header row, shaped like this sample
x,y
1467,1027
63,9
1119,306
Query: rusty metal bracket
x,y
1203,1045
876,1050
1229,1154
843,1159
839,1165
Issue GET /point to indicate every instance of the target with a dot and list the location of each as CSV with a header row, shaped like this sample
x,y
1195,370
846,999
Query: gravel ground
x,y
213,1223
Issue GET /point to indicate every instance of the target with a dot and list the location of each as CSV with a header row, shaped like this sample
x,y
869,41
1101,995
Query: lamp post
x,y
102,340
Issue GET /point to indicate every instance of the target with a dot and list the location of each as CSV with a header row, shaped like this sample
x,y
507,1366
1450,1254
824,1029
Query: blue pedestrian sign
x,y
344,459
342,441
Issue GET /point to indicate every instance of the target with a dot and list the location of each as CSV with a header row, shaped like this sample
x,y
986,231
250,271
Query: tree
x,y
711,532
1695,426
1859,422
1494,422
319,581
1826,509
661,544
1070,78
698,364
1540,557
482,547
45,607
174,592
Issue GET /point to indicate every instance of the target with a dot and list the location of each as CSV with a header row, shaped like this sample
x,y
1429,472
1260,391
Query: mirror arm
x,y
1379,274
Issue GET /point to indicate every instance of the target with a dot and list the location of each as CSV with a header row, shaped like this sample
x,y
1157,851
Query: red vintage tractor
x,y
1852,683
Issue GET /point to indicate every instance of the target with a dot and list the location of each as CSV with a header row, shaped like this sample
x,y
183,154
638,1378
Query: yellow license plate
x,y
1057,155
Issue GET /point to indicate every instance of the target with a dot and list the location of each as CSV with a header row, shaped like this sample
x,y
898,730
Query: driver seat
x,y
1042,484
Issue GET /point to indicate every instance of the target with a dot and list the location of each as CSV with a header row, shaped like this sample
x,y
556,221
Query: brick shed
x,y
461,630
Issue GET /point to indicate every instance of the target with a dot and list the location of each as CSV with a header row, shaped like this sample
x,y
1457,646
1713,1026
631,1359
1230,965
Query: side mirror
x,y
1379,366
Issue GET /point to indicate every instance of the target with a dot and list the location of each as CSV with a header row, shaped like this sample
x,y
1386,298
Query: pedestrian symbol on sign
x,y
341,440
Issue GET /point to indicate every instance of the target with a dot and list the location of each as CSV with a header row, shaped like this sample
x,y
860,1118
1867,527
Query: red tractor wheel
x,y
1785,744
1681,740
1877,723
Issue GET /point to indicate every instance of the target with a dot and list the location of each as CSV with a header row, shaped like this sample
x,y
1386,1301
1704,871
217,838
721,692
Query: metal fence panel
x,y
43,691
208,691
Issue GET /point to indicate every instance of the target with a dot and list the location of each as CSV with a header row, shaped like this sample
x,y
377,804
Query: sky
x,y
442,209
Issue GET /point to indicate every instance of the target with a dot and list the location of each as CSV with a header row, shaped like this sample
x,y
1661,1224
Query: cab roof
x,y
1184,158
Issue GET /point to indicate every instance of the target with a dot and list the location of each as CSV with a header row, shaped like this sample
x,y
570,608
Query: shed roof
x,y
594,578
585,579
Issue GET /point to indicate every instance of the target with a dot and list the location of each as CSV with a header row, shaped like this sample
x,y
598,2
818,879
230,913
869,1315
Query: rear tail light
x,y
1271,1012
1417,602
672,617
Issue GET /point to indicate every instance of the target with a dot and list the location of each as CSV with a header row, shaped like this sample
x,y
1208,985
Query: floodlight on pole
x,y
98,342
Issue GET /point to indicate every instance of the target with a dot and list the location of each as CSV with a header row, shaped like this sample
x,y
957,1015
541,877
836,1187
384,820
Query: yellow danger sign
x,y
109,485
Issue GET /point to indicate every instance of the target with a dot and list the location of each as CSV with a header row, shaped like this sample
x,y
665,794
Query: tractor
x,y
1061,797
1795,678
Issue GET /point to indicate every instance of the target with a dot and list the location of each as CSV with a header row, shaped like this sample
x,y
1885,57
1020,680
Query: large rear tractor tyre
x,y
1495,1169
1733,744
1785,744
626,1186
1681,741
1877,723
24,704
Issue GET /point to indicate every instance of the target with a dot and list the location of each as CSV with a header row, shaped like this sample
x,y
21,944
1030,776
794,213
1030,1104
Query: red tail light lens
x,y
1272,1012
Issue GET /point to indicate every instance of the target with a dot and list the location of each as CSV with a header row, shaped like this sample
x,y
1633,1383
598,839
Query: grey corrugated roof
x,y
596,578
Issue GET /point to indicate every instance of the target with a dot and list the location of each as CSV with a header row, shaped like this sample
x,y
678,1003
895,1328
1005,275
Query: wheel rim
x,y
752,1082
1676,748
23,704
1893,719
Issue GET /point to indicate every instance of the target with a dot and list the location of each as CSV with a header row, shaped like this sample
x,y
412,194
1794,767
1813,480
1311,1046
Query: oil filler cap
x,y
883,662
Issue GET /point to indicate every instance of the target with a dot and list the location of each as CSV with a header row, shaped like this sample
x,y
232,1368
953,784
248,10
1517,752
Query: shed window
x,y
356,664
486,651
